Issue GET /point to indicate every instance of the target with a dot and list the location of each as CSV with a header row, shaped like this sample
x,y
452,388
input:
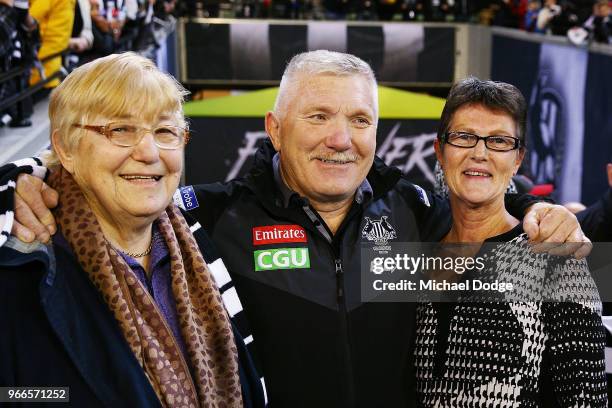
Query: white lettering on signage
x,y
408,152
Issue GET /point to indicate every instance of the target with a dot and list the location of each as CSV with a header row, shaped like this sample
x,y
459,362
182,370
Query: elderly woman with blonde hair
x,y
121,306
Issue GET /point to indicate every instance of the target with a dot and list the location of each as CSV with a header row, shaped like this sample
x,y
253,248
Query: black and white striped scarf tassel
x,y
8,179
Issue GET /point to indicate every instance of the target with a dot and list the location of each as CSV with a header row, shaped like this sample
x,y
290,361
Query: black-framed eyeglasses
x,y
467,140
127,135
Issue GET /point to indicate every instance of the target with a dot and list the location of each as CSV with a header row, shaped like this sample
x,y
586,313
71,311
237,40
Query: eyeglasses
x,y
126,135
496,143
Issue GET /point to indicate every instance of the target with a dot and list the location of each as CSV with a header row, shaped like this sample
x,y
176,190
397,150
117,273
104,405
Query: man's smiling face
x,y
326,135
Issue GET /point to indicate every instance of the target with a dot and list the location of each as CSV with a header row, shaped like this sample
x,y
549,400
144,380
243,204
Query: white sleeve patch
x,y
263,384
231,302
219,272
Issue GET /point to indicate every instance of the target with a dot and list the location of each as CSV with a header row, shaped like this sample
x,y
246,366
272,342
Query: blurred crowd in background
x,y
547,16
42,39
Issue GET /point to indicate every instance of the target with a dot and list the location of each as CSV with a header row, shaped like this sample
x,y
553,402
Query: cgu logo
x,y
281,258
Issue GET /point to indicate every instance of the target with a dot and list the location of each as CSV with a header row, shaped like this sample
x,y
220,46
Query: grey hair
x,y
321,62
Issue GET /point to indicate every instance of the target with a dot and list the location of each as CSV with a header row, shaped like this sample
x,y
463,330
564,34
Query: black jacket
x,y
57,331
320,345
596,220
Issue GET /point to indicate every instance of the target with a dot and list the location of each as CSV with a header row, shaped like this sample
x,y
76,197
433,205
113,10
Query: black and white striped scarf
x,y
8,179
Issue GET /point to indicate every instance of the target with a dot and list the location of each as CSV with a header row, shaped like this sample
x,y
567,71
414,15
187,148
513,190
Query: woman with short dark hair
x,y
538,344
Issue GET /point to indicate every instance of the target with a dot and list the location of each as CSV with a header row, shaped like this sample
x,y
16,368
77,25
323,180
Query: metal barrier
x,y
31,90
235,52
242,52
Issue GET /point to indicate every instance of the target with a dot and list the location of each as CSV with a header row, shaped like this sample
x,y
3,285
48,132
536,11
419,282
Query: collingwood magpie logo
x,y
545,124
379,231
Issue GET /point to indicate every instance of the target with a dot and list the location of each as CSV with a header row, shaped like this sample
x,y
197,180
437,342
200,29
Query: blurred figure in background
x,y
108,19
19,43
366,10
387,9
567,19
8,22
531,17
599,24
336,9
410,10
135,13
505,14
545,17
8,32
145,43
82,36
55,19
155,21
599,217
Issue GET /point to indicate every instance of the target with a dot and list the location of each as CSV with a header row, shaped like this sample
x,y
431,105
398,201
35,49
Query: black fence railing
x,y
32,89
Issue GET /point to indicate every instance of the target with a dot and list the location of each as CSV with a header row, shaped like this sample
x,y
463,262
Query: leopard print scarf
x,y
203,321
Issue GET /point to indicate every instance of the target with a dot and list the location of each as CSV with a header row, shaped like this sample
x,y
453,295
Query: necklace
x,y
132,254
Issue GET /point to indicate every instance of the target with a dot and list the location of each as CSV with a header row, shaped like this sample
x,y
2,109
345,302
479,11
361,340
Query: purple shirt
x,y
160,284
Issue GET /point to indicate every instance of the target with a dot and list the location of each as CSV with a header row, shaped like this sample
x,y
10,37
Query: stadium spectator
x,y
531,17
411,10
144,42
387,9
8,32
598,219
211,7
8,22
19,46
366,10
505,14
584,8
156,22
108,20
565,20
336,9
520,7
436,10
550,10
599,24
135,13
55,18
82,36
